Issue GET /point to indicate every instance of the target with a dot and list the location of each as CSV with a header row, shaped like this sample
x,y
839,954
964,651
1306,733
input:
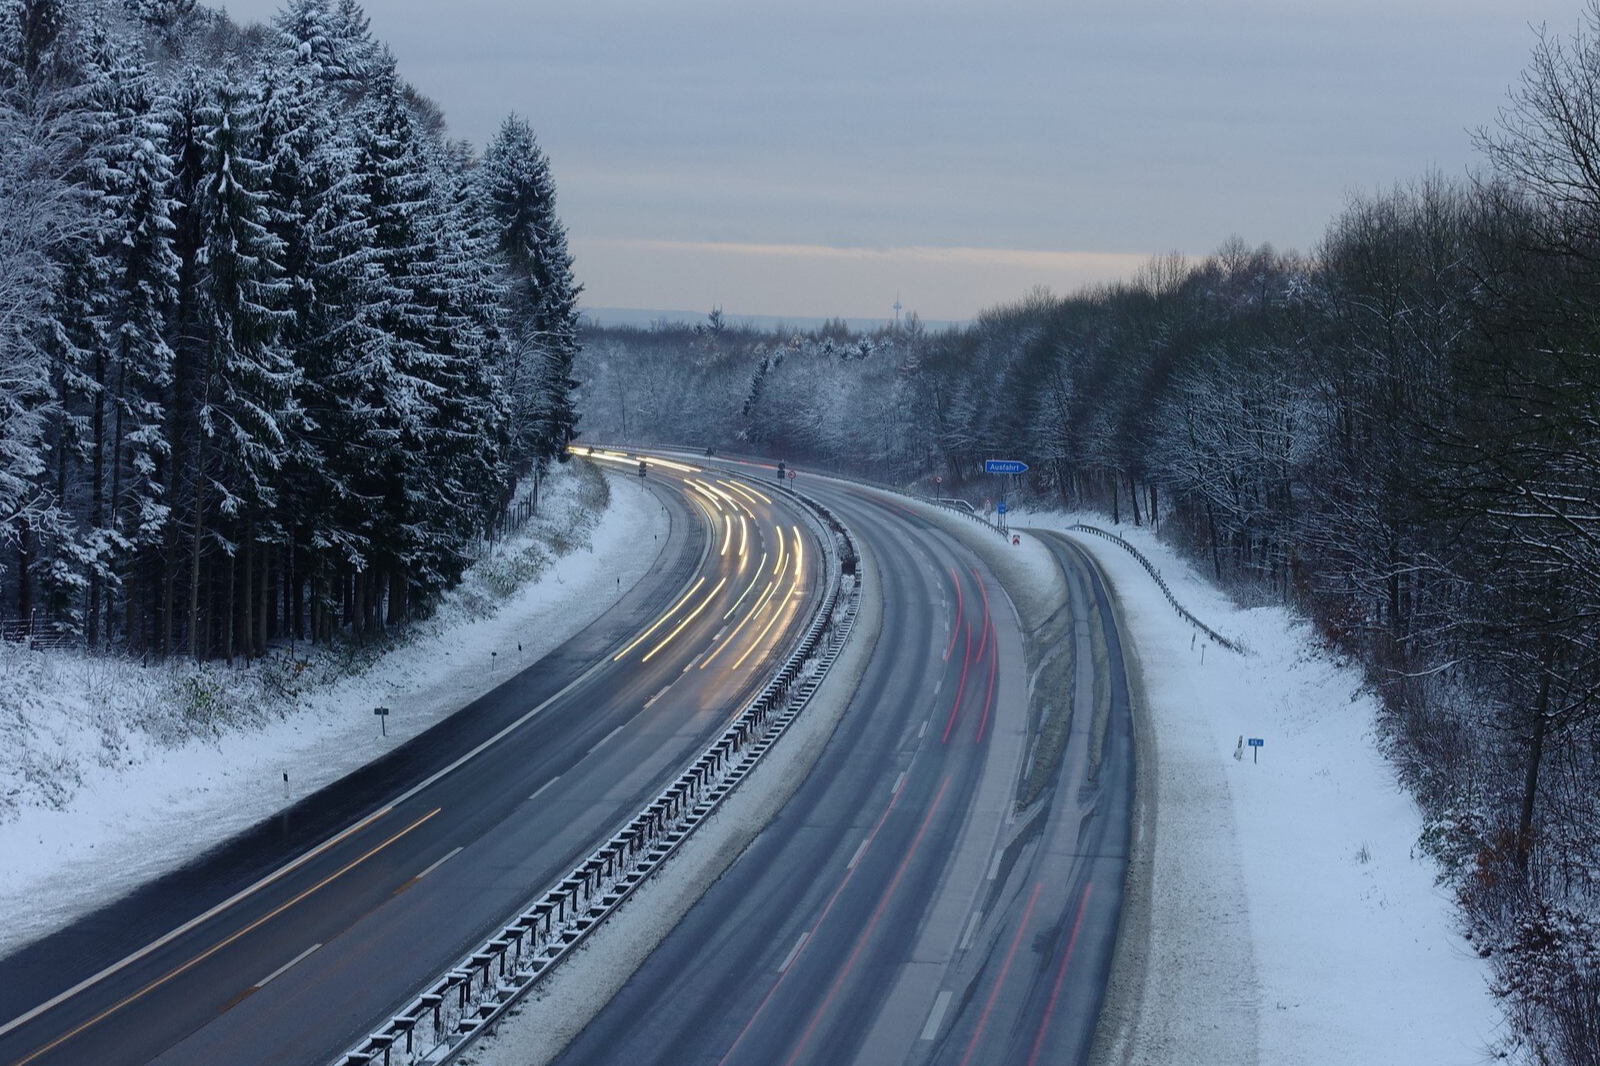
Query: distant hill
x,y
633,316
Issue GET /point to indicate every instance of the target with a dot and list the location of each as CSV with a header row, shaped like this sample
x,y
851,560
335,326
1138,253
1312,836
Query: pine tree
x,y
246,380
519,194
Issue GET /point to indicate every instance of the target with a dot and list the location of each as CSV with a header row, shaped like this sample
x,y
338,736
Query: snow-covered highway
x,y
901,907
285,943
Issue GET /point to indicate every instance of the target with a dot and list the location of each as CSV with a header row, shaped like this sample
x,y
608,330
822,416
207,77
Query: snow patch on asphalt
x,y
134,803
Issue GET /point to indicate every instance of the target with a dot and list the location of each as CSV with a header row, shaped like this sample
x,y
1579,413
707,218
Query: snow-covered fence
x,y
1150,568
37,633
439,1024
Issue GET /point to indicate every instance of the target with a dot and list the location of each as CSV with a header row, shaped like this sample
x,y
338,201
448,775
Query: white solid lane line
x,y
972,927
544,786
441,862
857,856
609,735
788,960
940,1004
281,970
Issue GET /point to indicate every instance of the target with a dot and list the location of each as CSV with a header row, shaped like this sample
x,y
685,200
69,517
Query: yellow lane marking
x,y
203,956
687,619
660,621
193,922
746,493
777,613
761,602
748,587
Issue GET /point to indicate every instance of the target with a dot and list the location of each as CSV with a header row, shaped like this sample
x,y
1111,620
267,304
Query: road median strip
x,y
442,1021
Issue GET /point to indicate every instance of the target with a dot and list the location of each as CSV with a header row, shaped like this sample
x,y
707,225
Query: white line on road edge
x,y
657,696
281,970
794,952
23,1019
857,856
544,786
972,928
994,867
895,791
940,1003
923,731
609,735
437,864
295,863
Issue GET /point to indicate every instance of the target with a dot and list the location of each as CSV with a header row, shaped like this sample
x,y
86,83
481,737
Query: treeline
x,y
274,352
1398,433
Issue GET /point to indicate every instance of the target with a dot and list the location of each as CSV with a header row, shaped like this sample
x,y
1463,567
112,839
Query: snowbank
x,y
113,773
1350,954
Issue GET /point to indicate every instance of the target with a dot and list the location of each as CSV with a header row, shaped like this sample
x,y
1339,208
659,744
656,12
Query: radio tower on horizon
x,y
897,309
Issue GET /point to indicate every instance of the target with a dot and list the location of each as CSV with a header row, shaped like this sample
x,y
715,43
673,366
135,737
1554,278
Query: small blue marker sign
x,y
1256,744
1002,507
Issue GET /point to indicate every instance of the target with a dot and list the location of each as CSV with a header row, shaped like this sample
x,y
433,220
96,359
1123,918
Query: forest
x,y
1398,433
276,354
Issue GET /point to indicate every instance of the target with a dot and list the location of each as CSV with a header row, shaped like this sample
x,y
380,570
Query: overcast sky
x,y
813,157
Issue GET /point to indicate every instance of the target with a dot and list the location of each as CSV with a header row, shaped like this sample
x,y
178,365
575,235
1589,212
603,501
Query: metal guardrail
x,y
1232,645
441,1022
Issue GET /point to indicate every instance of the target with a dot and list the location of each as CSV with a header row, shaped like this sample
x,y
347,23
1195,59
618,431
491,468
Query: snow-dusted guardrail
x,y
1184,612
440,1023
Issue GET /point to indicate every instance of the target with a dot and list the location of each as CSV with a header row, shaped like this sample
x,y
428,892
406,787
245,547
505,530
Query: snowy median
x,y
112,779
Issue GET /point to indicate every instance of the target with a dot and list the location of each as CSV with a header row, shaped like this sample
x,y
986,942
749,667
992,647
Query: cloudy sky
x,y
814,157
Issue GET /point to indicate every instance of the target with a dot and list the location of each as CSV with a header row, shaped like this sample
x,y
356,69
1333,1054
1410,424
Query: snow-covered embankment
x,y
1291,918
112,776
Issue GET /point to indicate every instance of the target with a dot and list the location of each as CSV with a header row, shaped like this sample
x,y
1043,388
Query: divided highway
x,y
288,943
904,907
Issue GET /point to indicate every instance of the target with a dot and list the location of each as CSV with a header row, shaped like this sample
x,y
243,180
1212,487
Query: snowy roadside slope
x,y
140,804
1356,958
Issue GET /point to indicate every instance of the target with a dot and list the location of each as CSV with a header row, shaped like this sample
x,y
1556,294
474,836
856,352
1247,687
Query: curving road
x,y
902,907
291,941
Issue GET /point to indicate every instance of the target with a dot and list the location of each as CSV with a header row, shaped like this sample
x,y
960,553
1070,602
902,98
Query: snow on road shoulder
x,y
135,801
1356,957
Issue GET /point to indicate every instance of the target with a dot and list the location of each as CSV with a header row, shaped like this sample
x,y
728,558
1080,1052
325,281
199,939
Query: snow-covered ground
x,y
113,773
1351,953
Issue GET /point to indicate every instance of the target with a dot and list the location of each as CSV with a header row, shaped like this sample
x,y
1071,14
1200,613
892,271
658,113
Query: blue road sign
x,y
1004,466
1257,742
1002,507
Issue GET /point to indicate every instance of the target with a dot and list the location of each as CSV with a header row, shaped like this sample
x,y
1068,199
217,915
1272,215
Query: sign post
x,y
383,721
1256,744
1004,466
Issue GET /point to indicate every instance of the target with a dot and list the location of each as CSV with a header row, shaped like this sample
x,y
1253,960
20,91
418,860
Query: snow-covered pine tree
x,y
338,294
518,193
246,380
332,39
142,294
397,185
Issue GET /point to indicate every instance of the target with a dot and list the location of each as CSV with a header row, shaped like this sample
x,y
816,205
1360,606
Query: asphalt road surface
x,y
288,943
901,908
